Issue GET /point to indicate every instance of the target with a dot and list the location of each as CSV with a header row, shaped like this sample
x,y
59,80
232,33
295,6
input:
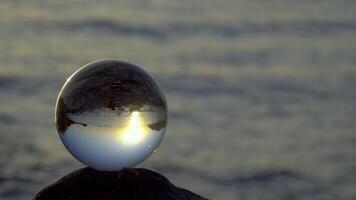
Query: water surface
x,y
260,93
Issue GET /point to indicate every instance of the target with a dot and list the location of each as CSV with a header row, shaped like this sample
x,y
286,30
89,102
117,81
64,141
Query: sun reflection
x,y
135,132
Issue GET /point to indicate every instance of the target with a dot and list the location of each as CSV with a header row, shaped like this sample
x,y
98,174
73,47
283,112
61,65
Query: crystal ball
x,y
111,114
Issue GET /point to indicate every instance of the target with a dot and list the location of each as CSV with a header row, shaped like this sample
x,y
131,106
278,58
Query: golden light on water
x,y
135,132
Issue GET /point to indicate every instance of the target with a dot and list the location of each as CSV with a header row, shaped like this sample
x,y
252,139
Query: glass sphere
x,y
111,114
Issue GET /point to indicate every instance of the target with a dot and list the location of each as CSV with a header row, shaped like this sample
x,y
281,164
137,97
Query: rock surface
x,y
129,183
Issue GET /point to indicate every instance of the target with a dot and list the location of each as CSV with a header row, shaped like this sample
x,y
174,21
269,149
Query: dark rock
x,y
129,183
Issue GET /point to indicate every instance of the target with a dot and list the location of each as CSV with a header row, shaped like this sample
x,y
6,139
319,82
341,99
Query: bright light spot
x,y
135,132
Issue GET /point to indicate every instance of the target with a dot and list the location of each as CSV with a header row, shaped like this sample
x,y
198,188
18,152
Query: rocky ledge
x,y
128,183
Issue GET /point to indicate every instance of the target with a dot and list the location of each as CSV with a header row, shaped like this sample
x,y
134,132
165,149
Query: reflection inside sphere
x,y
135,132
111,114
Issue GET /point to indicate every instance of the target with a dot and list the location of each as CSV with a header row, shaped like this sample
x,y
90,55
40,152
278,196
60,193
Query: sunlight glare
x,y
135,132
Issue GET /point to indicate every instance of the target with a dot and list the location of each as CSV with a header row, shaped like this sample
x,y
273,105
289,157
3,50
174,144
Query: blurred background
x,y
261,94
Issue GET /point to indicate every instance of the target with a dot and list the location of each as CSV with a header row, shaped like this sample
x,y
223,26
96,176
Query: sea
x,y
261,94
